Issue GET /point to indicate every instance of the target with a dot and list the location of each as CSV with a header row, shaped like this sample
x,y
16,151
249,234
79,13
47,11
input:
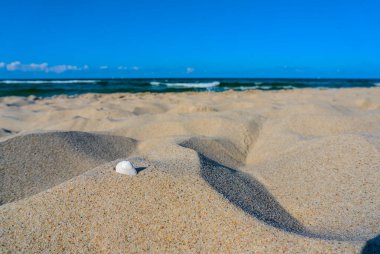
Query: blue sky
x,y
208,38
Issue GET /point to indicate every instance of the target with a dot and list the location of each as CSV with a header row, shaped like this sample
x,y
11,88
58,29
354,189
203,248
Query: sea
x,y
52,87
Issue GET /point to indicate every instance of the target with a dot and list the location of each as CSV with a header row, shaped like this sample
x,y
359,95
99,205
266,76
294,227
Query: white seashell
x,y
126,168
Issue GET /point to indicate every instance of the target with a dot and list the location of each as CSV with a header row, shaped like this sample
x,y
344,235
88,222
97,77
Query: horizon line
x,y
105,78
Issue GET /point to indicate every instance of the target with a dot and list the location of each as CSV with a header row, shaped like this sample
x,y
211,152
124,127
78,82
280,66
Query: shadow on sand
x,y
139,169
249,195
243,190
372,246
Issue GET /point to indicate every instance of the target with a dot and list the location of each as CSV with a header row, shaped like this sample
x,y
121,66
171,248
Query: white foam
x,y
377,84
193,85
244,88
154,83
47,81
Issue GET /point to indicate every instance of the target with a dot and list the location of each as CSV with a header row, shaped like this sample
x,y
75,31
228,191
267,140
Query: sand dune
x,y
36,162
233,172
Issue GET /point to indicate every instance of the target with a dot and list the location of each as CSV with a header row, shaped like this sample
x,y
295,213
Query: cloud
x,y
2,65
13,66
104,67
18,66
122,68
190,70
63,68
135,68
43,67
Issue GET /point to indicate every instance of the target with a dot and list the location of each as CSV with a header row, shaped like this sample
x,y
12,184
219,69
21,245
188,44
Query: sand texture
x,y
233,172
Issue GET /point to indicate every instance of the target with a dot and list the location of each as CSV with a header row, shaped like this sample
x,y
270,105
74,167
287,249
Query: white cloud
x,y
2,65
122,68
105,67
13,66
18,66
135,68
190,70
86,67
63,68
43,67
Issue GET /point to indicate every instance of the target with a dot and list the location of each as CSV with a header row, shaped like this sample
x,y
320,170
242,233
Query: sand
x,y
233,172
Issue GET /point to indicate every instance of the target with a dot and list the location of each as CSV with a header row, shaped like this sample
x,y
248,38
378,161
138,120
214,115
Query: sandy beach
x,y
293,171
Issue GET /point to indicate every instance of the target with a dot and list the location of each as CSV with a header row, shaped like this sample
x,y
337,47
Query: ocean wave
x,y
51,87
48,81
244,88
187,85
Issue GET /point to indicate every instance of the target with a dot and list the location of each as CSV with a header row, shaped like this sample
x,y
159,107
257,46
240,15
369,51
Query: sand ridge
x,y
35,162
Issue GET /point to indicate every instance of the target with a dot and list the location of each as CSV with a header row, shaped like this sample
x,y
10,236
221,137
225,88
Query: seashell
x,y
126,168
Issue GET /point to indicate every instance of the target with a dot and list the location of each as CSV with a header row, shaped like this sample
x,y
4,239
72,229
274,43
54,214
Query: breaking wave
x,y
187,85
